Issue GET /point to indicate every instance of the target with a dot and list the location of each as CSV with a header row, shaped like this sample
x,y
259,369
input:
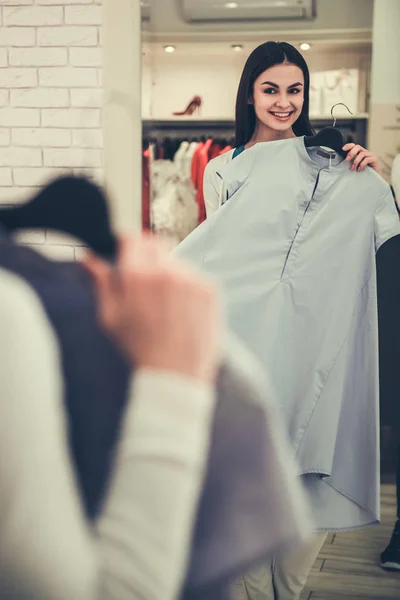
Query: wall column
x,y
384,129
122,125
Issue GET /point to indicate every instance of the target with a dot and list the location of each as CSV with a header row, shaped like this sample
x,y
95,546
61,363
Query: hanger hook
x,y
334,106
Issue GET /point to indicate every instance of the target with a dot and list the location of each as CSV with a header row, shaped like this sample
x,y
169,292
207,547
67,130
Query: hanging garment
x,y
174,211
203,160
189,159
294,251
225,150
179,158
146,224
195,164
249,494
214,151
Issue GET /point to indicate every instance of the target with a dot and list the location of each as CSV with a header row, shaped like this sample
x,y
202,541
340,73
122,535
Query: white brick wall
x,y
50,101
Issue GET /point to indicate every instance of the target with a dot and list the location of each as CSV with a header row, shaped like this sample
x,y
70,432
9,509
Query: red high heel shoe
x,y
192,108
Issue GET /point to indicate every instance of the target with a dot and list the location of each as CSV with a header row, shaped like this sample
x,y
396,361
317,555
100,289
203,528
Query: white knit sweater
x,y
139,547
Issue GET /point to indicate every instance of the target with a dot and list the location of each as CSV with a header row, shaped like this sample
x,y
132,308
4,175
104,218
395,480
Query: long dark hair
x,y
262,58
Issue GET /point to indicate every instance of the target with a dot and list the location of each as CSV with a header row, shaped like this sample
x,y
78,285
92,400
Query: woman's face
x,y
278,96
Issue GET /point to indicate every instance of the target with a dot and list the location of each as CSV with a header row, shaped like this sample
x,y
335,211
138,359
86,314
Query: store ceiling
x,y
221,10
336,21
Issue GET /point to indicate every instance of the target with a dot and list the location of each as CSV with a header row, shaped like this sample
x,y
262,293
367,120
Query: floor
x,y
348,565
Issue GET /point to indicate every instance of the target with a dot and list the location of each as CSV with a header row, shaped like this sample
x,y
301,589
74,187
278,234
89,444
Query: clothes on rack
x,y
249,492
204,153
200,161
171,206
146,223
300,291
188,161
173,200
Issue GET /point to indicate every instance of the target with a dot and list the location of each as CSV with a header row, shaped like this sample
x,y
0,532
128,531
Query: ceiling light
x,y
231,5
305,46
169,49
237,47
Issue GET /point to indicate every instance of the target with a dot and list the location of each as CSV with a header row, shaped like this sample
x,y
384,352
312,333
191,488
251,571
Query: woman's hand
x,y
361,157
163,315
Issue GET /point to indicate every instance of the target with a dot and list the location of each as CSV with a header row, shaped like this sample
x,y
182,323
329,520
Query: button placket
x,y
302,223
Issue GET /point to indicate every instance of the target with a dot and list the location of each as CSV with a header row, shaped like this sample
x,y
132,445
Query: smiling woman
x,y
273,96
272,104
281,98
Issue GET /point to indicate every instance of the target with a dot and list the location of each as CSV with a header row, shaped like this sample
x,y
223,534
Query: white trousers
x,y
285,577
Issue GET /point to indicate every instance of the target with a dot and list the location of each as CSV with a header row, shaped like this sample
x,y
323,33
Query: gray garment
x,y
294,250
250,491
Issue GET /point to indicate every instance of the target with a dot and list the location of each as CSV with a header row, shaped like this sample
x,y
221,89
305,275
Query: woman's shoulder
x,y
219,161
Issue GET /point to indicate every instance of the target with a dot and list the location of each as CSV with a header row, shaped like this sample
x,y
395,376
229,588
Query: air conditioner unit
x,y
247,10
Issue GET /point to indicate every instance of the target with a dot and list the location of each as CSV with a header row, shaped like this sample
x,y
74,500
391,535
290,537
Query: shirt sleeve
x,y
40,514
386,220
212,189
236,172
147,525
140,545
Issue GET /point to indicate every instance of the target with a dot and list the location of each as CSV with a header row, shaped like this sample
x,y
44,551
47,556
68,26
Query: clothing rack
x,y
353,128
166,147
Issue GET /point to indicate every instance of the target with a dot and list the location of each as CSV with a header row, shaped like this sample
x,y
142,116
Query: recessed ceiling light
x,y
231,5
169,49
237,47
305,46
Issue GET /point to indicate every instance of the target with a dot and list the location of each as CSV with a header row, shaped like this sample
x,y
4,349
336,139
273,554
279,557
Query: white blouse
x,y
214,190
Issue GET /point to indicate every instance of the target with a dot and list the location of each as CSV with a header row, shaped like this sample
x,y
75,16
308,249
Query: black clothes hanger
x,y
71,205
328,136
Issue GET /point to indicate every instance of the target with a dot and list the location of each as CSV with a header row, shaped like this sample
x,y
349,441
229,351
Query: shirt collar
x,y
343,165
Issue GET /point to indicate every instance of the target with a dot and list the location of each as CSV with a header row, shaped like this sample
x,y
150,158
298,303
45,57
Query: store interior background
x,y
347,39
83,84
198,48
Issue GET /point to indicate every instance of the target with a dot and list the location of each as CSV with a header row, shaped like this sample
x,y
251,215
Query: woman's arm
x,y
139,547
146,528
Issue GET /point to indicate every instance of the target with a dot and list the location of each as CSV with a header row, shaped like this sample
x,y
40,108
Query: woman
x,y
272,104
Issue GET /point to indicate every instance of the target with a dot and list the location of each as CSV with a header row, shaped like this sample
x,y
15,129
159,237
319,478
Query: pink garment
x,y
204,159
